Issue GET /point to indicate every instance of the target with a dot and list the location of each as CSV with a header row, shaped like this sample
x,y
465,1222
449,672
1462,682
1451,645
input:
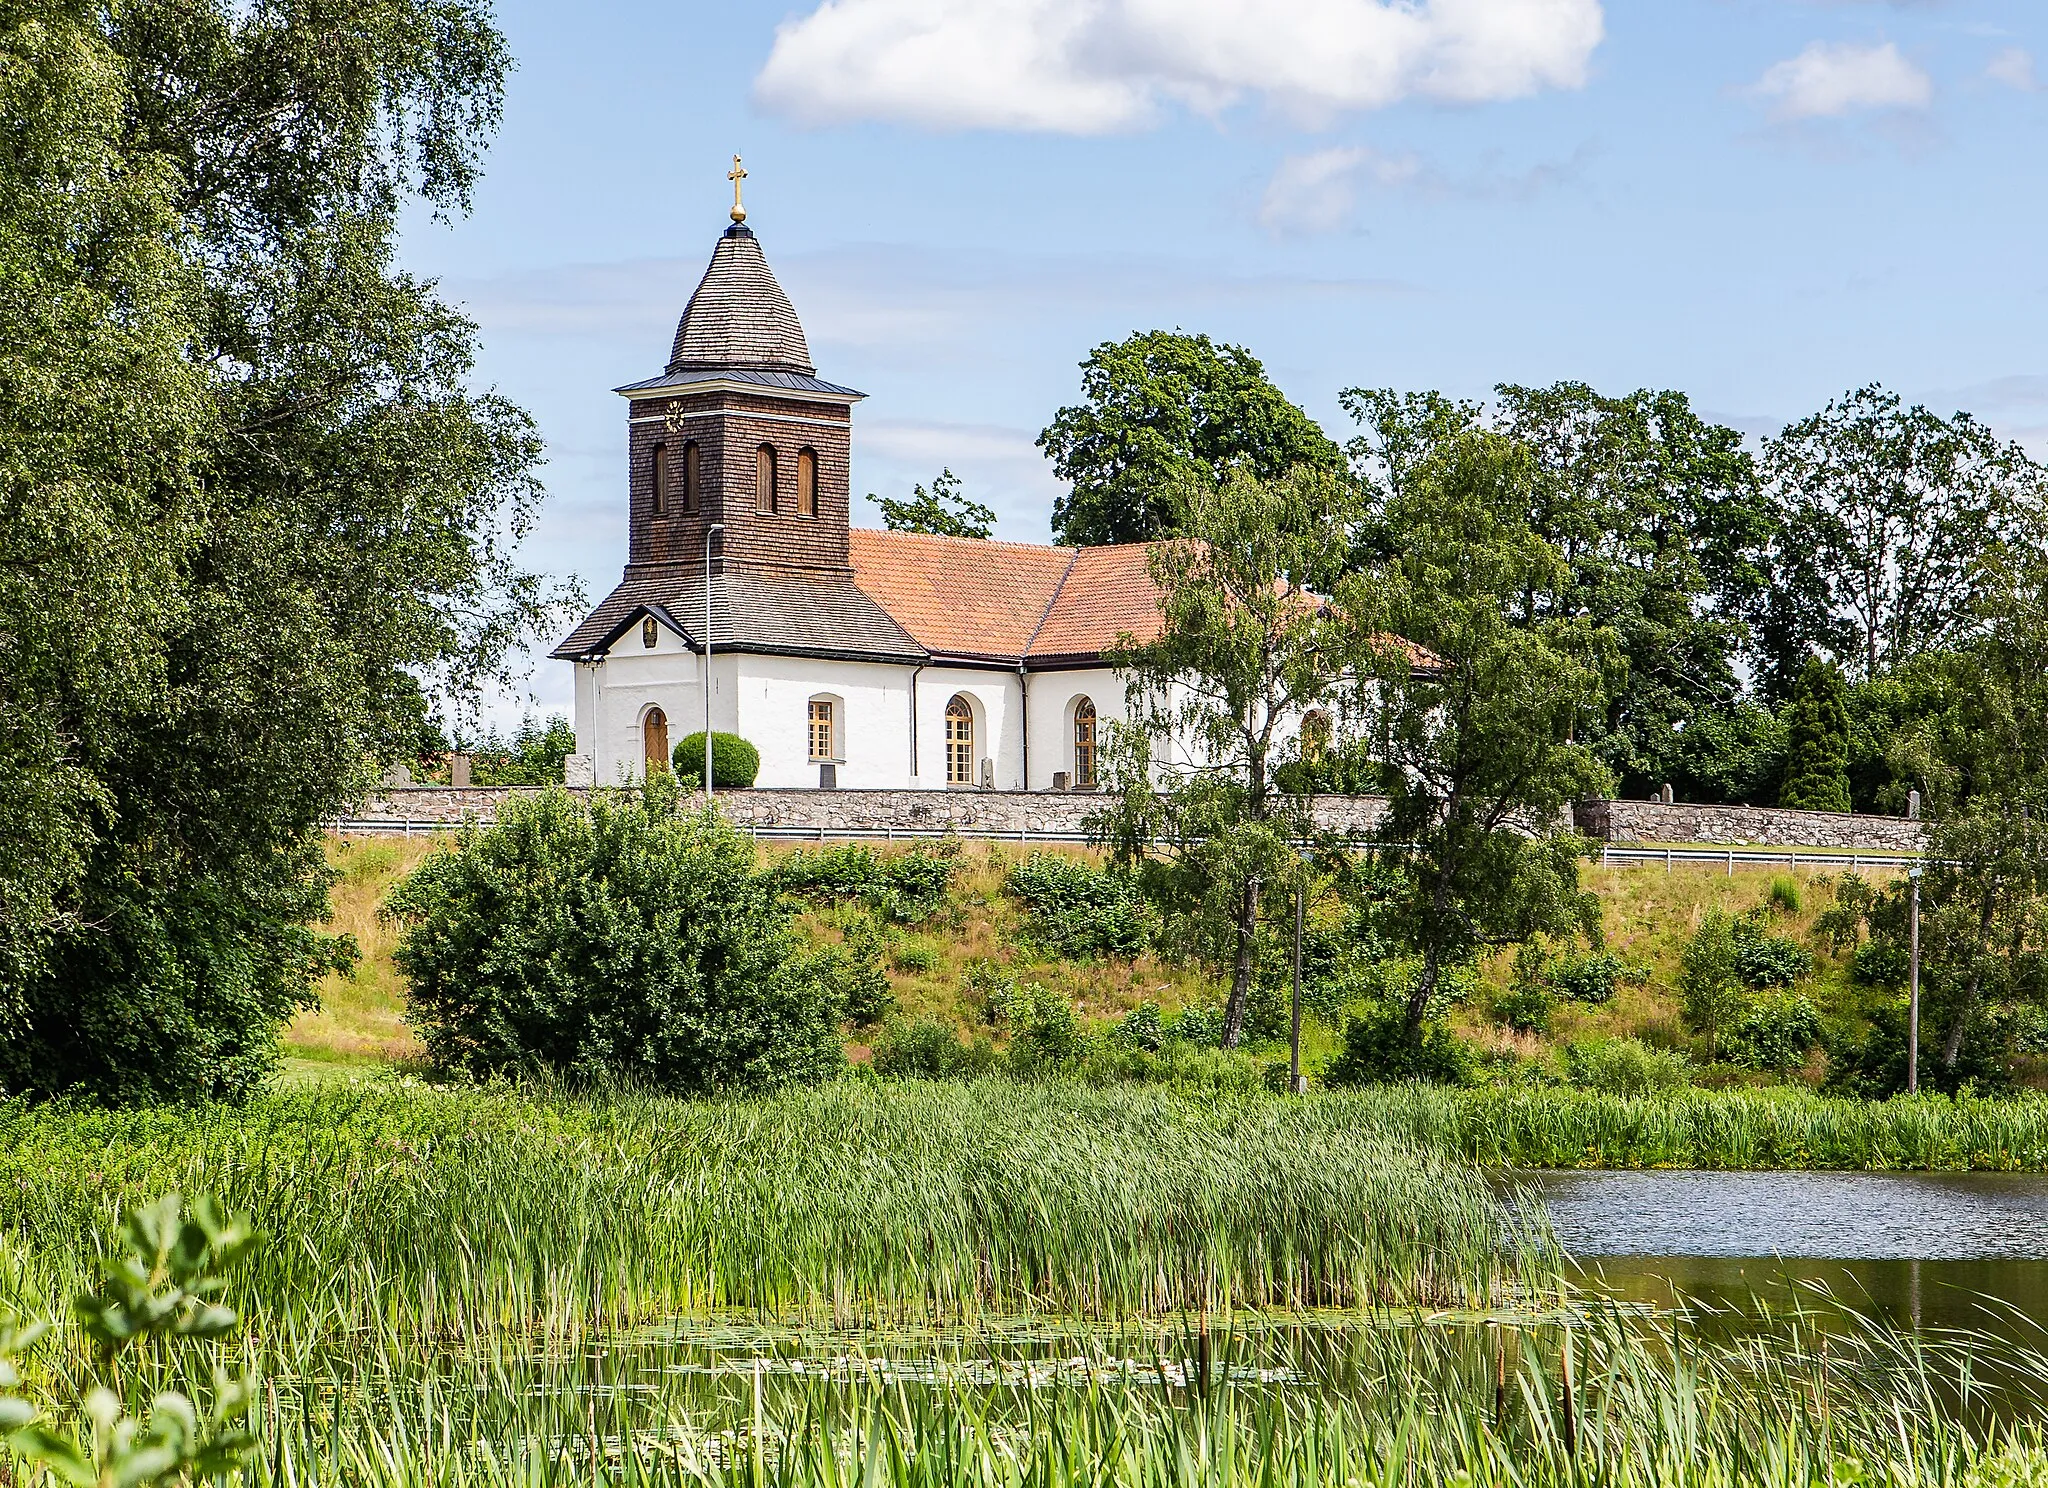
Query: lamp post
x,y
1294,1085
1913,983
711,535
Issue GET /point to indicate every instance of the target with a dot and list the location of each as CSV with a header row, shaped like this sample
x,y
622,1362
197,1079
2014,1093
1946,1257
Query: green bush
x,y
1079,911
734,762
1624,1066
1142,1028
1776,1033
1199,1025
1524,1007
1785,894
1045,1031
1765,960
915,953
1377,1049
618,940
908,887
857,970
927,1049
1592,978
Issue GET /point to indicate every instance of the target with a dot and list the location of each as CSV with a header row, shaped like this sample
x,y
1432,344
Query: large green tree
x,y
1885,517
331,524
1651,509
1163,413
1479,759
101,420
1245,650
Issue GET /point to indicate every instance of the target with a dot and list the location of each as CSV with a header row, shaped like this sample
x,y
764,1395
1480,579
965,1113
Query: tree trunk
x,y
1952,1046
1425,985
1241,972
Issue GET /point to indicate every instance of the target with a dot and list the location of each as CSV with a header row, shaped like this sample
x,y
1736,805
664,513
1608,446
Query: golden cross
x,y
737,174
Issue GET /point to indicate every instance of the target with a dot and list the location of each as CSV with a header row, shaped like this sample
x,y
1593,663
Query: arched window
x,y
1315,734
824,726
806,483
1084,745
764,479
693,478
959,741
654,735
657,471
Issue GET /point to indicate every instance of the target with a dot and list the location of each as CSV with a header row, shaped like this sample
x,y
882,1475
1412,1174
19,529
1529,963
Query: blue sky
x,y
1761,202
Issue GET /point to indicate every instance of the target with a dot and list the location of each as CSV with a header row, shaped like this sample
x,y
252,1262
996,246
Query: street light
x,y
711,534
1913,995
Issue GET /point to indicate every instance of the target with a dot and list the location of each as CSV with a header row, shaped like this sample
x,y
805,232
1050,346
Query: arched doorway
x,y
959,741
654,734
1084,744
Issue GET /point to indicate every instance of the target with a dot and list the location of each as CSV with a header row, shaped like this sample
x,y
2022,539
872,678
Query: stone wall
x,y
969,812
1065,813
1737,826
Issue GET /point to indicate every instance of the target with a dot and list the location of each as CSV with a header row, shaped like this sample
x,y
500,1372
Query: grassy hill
x,y
1648,915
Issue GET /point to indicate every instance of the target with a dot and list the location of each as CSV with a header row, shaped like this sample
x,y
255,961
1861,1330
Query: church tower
x,y
738,433
739,429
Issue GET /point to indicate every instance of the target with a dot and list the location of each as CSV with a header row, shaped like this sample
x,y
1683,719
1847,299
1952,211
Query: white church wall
x,y
634,678
1054,697
871,720
993,697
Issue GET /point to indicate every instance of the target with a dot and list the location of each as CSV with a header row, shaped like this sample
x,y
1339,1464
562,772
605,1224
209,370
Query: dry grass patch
x,y
361,1017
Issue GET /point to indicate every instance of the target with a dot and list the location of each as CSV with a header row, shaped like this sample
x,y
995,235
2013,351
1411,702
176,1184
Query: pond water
x,y
1967,1250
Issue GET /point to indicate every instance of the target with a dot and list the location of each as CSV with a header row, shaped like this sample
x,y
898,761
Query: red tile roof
x,y
960,596
1108,594
1007,601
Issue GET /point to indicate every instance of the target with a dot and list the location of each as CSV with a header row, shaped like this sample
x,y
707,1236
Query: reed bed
x,y
1733,1129
1586,1398
450,1214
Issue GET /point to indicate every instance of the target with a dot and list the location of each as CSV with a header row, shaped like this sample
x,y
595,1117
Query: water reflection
x,y
1924,1250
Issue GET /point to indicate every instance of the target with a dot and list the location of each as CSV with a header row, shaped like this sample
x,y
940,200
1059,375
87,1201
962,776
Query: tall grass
x,y
459,1214
1737,1129
1598,1400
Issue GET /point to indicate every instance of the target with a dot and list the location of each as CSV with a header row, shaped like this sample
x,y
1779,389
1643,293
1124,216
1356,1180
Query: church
x,y
849,658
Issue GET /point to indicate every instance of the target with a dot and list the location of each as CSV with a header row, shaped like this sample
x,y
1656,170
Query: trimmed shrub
x,y
1079,911
734,762
616,940
1624,1066
1817,741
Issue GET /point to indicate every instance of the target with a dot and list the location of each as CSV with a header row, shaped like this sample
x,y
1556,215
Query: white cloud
x,y
1097,66
2013,67
1834,78
1315,193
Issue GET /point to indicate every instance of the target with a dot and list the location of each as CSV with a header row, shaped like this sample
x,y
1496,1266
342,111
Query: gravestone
x,y
458,771
579,769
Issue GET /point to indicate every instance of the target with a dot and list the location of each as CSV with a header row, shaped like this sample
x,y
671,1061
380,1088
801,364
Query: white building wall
x,y
992,694
634,678
766,700
1054,696
871,719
